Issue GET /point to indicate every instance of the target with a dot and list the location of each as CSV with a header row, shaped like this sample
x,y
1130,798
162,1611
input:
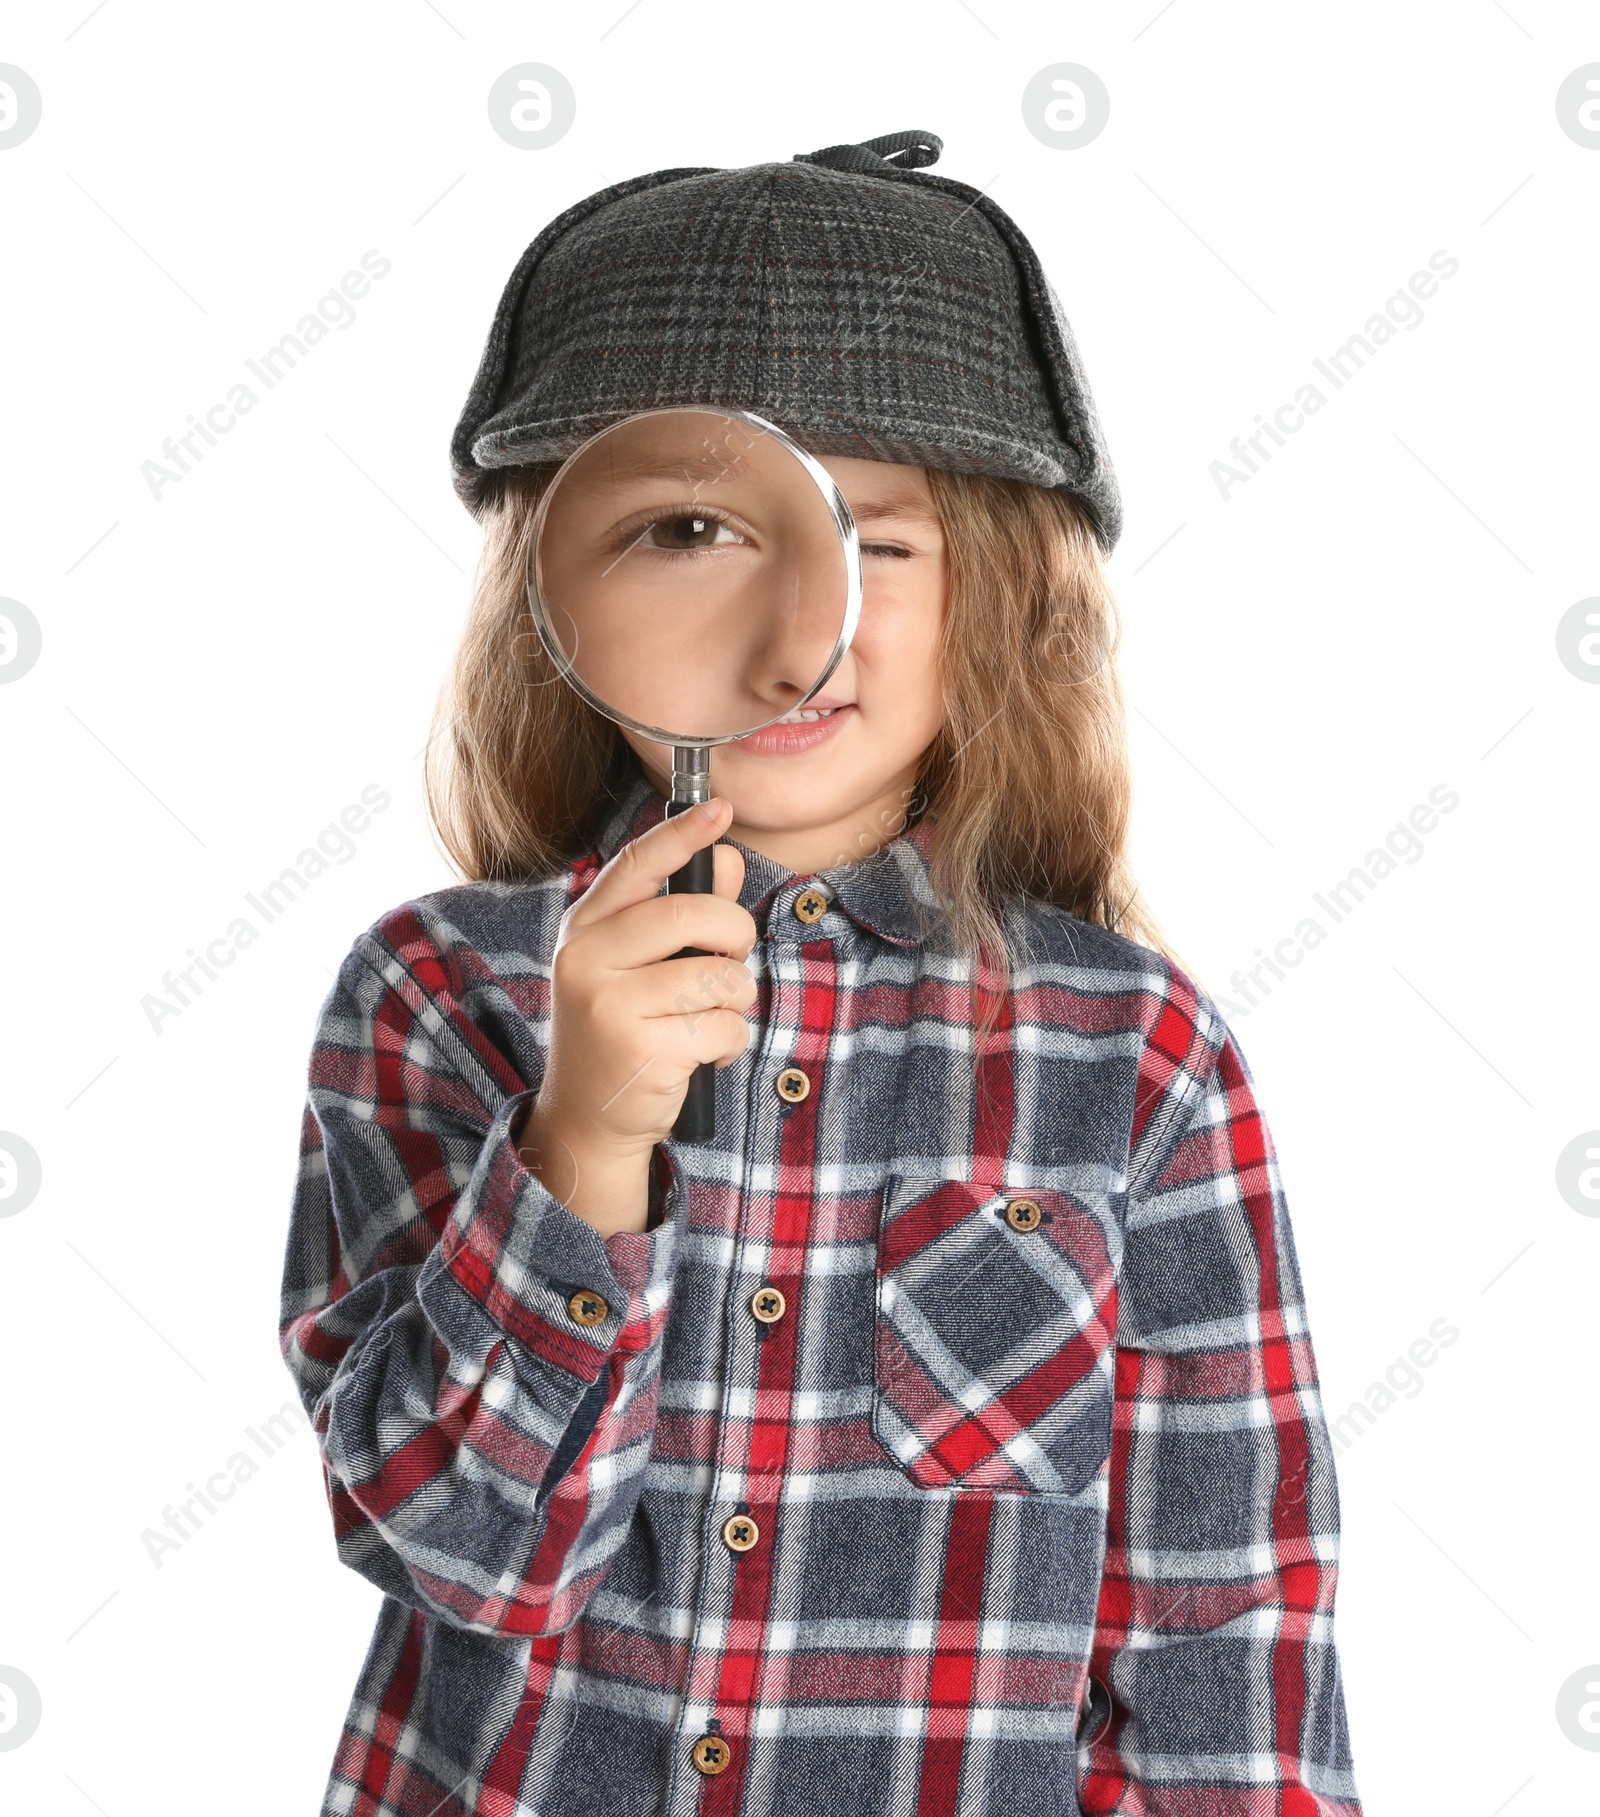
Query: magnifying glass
x,y
695,574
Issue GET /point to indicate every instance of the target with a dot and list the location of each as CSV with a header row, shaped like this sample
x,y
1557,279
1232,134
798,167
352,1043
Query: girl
x,y
944,1437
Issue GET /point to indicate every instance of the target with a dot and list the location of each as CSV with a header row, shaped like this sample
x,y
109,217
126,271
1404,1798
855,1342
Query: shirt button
x,y
810,905
587,1308
740,1533
1024,1214
792,1085
768,1305
710,1755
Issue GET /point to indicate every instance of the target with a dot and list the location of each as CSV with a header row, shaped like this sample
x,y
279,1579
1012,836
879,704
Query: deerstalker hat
x,y
864,306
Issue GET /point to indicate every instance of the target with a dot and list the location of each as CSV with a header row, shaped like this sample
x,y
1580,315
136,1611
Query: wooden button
x,y
739,1533
710,1755
792,1085
768,1305
810,905
587,1308
1024,1214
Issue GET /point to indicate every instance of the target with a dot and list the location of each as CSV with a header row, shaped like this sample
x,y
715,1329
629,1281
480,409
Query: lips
x,y
802,730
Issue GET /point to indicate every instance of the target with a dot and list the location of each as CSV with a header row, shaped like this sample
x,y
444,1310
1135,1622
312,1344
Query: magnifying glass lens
x,y
693,574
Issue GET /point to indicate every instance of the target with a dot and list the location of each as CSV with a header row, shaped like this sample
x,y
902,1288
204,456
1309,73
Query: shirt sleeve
x,y
1215,1688
480,1366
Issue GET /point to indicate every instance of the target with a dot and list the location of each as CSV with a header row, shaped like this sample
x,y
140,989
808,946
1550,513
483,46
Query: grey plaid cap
x,y
863,306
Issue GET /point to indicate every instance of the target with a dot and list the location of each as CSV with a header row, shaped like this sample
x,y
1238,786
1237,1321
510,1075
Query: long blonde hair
x,y
1026,787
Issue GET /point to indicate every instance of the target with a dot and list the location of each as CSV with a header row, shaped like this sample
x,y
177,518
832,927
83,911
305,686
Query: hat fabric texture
x,y
865,307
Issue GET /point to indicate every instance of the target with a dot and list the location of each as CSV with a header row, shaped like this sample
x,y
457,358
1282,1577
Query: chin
x,y
780,804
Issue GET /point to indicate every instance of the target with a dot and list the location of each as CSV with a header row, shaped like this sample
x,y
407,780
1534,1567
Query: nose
x,y
796,625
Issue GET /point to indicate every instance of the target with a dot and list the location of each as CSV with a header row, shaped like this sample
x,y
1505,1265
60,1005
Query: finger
x,y
676,1046
638,871
655,930
713,1037
728,867
687,987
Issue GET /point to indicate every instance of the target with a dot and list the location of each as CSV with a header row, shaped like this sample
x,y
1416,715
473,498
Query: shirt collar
x,y
887,892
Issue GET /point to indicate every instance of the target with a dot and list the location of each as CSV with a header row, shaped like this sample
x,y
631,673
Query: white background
x,y
225,668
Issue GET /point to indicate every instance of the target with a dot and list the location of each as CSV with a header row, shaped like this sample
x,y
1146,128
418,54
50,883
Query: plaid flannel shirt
x,y
951,1443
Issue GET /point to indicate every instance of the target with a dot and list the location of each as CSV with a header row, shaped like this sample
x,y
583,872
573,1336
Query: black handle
x,y
697,1116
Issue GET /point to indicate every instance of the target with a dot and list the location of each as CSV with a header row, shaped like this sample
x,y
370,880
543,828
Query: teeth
x,y
803,714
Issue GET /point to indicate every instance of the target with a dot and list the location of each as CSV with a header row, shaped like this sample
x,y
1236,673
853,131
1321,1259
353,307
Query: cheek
x,y
897,641
902,608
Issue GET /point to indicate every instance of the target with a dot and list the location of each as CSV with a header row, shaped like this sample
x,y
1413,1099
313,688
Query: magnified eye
x,y
688,531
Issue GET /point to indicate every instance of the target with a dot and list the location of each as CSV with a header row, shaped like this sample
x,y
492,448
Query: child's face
x,y
835,795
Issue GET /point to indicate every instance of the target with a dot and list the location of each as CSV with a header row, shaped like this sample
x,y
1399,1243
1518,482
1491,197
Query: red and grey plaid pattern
x,y
1042,1491
973,1401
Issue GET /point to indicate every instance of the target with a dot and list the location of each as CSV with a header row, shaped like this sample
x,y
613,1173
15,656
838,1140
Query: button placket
x,y
763,1131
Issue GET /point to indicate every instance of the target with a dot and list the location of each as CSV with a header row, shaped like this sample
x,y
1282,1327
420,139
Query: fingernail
x,y
712,808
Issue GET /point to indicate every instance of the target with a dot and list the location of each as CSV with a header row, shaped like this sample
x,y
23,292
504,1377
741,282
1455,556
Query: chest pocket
x,y
995,1337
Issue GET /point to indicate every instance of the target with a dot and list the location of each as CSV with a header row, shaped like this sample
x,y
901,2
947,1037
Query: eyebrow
x,y
873,510
645,467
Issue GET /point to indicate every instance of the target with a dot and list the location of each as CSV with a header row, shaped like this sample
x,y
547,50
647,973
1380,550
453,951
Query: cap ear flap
x,y
1107,502
1062,368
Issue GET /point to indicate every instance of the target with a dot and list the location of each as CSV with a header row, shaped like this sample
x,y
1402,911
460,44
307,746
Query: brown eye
x,y
687,532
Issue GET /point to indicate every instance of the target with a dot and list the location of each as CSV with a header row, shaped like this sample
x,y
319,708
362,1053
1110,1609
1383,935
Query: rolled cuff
x,y
523,1256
